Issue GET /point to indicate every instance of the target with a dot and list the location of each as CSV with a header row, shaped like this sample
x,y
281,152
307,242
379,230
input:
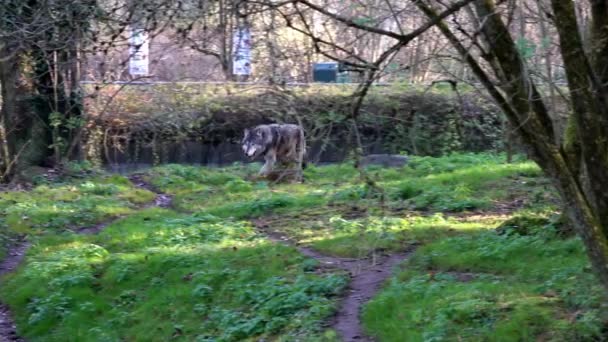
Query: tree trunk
x,y
548,57
9,77
522,103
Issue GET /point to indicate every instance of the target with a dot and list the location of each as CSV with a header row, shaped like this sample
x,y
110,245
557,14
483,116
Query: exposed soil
x,y
16,253
161,200
94,229
366,277
8,330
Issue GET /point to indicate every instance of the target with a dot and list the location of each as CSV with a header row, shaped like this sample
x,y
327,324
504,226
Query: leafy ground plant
x,y
76,203
488,287
205,270
158,275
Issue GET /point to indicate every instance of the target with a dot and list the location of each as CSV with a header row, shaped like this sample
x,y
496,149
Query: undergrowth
x,y
152,122
159,276
71,204
202,271
492,288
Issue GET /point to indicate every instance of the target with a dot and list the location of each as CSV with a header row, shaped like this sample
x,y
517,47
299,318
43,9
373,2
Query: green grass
x,y
518,288
201,271
75,203
158,275
230,193
455,183
338,235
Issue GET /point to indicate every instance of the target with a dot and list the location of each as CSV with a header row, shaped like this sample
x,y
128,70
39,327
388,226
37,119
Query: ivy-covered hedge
x,y
396,118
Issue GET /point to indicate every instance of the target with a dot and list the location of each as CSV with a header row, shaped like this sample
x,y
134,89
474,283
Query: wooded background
x,y
543,63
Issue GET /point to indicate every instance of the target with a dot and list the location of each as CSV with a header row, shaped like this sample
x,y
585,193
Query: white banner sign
x,y
138,52
241,49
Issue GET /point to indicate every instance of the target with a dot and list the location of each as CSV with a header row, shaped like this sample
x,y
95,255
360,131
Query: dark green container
x,y
325,72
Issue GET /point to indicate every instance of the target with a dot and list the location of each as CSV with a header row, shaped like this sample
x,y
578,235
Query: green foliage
x,y
490,287
526,225
352,193
189,275
275,304
59,123
435,122
405,191
205,273
79,169
77,203
238,185
456,198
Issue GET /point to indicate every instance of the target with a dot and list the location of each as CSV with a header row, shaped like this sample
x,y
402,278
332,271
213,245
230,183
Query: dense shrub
x,y
393,119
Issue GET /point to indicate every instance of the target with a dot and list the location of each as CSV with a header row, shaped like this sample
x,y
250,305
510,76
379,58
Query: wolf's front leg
x,y
271,159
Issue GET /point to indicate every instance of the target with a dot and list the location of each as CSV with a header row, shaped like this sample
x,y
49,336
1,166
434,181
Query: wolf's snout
x,y
249,151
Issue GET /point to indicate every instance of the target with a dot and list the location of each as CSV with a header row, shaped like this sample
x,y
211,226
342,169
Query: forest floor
x,y
197,254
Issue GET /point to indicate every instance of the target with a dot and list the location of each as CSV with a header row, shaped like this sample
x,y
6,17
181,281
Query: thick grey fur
x,y
284,143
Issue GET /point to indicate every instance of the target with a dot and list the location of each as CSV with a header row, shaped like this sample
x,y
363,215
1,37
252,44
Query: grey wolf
x,y
284,143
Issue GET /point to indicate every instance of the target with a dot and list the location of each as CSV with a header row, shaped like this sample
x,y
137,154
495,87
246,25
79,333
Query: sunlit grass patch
x,y
459,189
530,257
516,288
422,166
175,178
70,205
330,174
352,232
155,228
478,175
360,237
158,275
247,204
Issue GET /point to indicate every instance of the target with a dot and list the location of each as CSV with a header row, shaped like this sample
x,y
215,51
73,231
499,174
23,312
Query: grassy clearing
x,y
158,275
456,183
202,273
68,204
73,204
492,288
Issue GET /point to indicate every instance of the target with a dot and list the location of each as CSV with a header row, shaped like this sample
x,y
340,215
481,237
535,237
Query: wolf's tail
x,y
301,148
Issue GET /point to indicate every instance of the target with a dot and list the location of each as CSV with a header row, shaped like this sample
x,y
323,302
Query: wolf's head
x,y
254,142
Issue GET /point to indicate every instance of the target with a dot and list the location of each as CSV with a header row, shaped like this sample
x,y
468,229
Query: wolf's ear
x,y
246,133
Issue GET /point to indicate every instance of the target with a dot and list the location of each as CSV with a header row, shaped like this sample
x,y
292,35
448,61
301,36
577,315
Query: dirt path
x,y
16,253
366,277
14,256
161,200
